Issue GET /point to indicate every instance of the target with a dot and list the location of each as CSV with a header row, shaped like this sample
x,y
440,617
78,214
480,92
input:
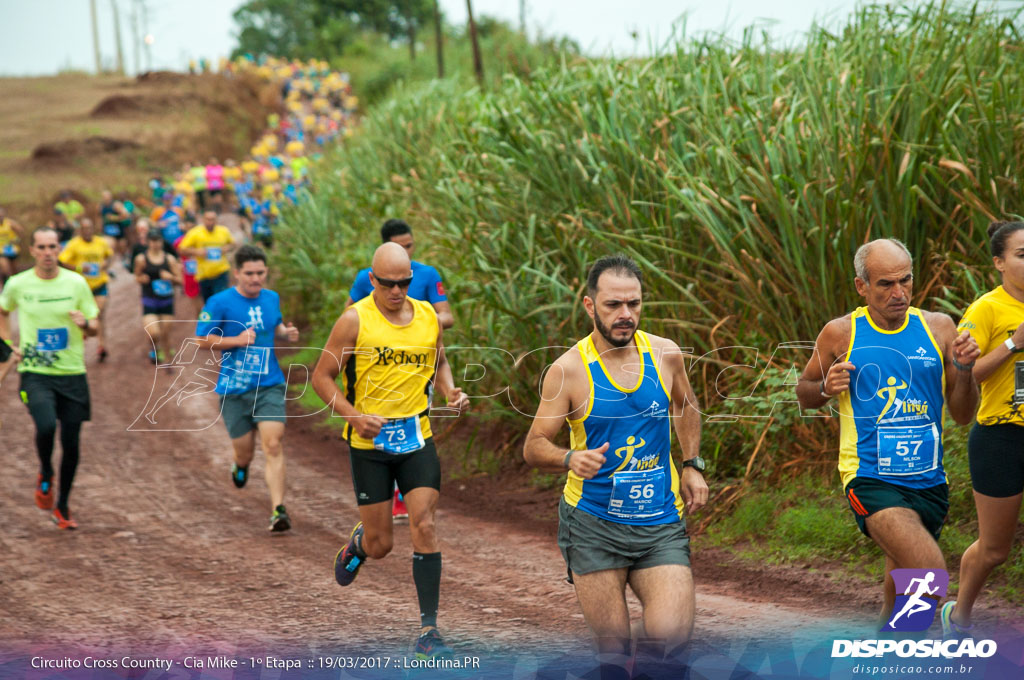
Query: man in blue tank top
x,y
621,515
894,369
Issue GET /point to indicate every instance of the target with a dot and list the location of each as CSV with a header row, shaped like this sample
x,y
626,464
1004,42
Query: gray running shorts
x,y
589,543
242,411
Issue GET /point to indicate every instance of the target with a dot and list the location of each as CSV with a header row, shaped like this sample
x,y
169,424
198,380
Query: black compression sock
x,y
426,574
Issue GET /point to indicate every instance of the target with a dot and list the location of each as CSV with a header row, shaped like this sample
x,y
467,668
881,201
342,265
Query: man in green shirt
x,y
56,310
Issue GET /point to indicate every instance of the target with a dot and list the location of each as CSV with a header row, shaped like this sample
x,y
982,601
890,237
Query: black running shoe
x,y
280,521
431,646
347,562
239,474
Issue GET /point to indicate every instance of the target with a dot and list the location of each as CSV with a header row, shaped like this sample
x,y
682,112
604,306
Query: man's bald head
x,y
391,261
885,253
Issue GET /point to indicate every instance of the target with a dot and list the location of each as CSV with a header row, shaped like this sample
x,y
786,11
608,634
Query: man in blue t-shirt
x,y
243,322
426,281
426,285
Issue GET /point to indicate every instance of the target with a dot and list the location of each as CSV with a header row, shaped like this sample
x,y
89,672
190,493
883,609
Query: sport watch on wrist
x,y
696,463
1012,347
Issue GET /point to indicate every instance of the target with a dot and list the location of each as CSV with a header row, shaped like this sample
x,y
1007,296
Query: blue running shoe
x,y
951,630
431,646
347,562
239,474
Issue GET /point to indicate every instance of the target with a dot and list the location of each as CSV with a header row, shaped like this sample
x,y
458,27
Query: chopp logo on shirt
x,y
921,589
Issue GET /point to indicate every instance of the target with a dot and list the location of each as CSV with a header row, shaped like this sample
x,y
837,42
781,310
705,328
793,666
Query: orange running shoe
x,y
63,522
44,493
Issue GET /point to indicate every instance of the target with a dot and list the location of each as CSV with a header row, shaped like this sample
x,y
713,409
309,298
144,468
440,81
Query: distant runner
x,y
211,245
157,271
91,256
10,246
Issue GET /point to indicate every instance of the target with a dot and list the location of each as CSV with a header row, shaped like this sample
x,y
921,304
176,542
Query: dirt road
x,y
171,557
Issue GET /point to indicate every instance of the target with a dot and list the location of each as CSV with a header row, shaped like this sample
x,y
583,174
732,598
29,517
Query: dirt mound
x,y
161,77
70,149
125,105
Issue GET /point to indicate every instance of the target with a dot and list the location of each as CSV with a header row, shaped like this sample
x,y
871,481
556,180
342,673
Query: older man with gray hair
x,y
894,369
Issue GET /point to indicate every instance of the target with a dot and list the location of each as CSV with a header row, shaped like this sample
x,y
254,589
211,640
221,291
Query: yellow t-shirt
x,y
294,148
991,319
215,262
233,173
88,258
393,365
250,167
8,237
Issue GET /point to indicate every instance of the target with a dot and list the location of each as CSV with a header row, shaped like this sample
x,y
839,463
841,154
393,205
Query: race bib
x,y
51,339
1018,384
112,230
10,250
162,288
255,360
90,270
191,267
213,254
909,450
402,435
637,494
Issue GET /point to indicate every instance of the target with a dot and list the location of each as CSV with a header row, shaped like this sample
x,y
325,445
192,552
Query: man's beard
x,y
606,333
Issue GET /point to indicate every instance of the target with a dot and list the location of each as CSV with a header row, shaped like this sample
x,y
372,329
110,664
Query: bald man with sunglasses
x,y
390,347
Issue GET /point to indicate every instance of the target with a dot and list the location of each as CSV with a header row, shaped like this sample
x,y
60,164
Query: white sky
x,y
45,36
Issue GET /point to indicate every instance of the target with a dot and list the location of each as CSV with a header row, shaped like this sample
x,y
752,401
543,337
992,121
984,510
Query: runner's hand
x,y
367,426
291,333
587,462
965,349
838,379
144,278
245,338
78,318
458,400
693,489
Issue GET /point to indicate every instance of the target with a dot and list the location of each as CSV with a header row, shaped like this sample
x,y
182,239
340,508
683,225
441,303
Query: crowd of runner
x,y
623,392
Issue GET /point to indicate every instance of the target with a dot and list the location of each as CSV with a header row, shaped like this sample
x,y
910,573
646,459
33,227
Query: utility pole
x,y
147,38
95,36
522,17
117,37
136,38
439,39
478,63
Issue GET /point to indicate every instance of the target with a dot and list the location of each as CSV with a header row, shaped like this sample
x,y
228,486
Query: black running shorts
x,y
55,397
374,473
996,456
867,496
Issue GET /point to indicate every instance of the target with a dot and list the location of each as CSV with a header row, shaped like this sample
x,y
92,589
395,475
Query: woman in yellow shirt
x,y
10,245
996,445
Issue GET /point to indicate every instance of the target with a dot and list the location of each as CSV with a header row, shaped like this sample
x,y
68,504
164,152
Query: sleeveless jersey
x,y
891,417
390,371
638,483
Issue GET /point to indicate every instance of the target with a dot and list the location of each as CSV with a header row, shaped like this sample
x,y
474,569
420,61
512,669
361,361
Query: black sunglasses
x,y
391,283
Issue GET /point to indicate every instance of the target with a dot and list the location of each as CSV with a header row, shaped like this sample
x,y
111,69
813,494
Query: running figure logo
x,y
256,318
922,589
889,394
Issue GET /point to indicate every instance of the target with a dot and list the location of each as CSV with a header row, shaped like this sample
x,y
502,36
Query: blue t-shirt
x,y
426,284
228,314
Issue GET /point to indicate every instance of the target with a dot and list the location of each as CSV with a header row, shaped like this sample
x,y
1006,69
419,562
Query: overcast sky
x,y
46,36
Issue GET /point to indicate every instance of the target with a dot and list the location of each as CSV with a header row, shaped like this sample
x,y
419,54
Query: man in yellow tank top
x,y
390,346
621,515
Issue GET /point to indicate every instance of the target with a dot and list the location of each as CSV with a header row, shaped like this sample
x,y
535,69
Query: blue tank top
x,y
638,483
891,417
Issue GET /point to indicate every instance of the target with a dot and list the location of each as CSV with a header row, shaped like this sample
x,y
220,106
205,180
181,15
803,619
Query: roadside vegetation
x,y
742,177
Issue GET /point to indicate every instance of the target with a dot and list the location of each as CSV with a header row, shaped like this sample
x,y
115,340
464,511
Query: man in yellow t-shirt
x,y
211,244
10,245
90,256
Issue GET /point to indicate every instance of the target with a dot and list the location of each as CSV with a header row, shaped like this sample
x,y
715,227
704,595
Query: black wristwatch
x,y
697,463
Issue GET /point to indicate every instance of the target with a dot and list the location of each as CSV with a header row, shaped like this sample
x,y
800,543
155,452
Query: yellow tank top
x,y
391,368
7,233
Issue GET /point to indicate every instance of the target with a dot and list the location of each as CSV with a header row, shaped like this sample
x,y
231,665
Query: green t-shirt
x,y
71,209
51,343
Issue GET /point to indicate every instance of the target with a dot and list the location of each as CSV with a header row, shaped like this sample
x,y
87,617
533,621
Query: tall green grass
x,y
741,176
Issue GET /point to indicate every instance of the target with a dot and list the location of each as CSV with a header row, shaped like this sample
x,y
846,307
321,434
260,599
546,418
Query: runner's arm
x,y
686,414
139,267
175,266
539,449
815,378
329,366
443,380
444,314
962,349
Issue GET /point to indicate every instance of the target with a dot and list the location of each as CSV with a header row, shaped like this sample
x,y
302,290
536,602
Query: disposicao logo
x,y
922,589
